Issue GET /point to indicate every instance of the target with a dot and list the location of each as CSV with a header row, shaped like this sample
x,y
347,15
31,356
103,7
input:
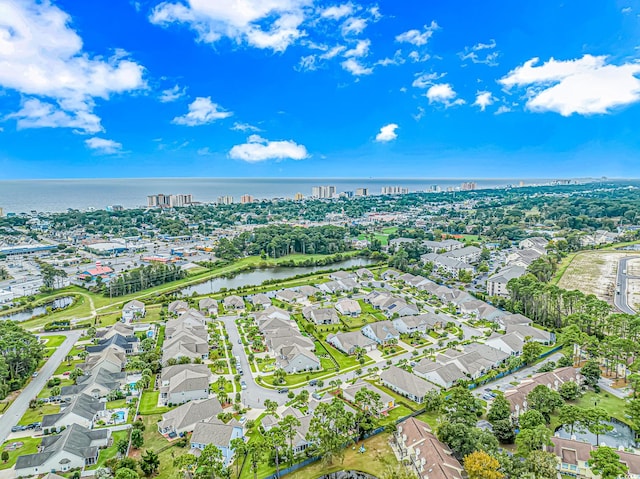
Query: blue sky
x,y
304,88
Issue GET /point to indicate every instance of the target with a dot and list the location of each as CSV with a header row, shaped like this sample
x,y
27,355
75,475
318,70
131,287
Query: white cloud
x,y
307,63
396,60
503,109
587,85
258,149
337,12
360,50
201,112
353,26
387,133
356,68
38,114
172,94
423,80
333,52
237,126
41,57
416,57
626,10
486,58
271,24
443,93
483,100
417,37
418,116
103,145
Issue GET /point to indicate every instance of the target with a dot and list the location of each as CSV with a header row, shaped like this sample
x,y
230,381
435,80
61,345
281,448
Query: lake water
x,y
257,277
27,314
621,435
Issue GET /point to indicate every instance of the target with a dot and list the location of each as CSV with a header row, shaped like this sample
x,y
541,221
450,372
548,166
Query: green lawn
x,y
614,406
53,341
396,413
149,403
30,446
111,451
64,366
118,404
35,415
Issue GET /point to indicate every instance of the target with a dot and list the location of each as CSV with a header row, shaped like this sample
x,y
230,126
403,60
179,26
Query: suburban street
x,y
254,395
13,414
620,299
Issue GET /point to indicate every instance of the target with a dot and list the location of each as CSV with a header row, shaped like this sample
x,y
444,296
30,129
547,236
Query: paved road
x,y
13,414
620,298
254,395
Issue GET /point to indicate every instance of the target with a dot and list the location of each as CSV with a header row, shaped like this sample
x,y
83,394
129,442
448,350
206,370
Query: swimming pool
x,y
120,416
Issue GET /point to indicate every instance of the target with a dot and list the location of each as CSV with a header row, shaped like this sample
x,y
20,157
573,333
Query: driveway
x,y
254,395
20,405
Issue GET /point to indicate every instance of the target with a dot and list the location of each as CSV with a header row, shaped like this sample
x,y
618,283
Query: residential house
x,y
295,359
271,312
364,274
82,410
497,283
348,307
444,246
390,274
415,444
406,384
97,384
517,397
123,329
444,375
308,291
178,307
381,332
183,419
75,448
531,333
112,359
511,343
418,324
522,257
450,265
349,342
217,433
289,296
321,315
468,254
338,286
340,275
133,310
300,442
128,344
208,306
185,382
349,392
260,300
536,242
233,302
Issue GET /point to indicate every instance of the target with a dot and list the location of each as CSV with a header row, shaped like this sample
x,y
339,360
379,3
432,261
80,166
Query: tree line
x,y
142,278
20,353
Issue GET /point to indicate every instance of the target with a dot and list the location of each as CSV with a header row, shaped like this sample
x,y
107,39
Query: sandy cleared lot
x,y
594,272
633,285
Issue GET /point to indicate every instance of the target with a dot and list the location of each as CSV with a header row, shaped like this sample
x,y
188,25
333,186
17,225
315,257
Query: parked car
x,y
283,390
16,428
313,382
239,341
243,385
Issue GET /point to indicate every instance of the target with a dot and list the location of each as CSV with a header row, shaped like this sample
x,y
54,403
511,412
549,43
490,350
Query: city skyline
x,y
304,88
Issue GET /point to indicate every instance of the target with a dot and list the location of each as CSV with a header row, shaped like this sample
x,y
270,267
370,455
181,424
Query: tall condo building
x,y
225,200
394,190
323,191
298,197
468,186
246,199
168,201
362,191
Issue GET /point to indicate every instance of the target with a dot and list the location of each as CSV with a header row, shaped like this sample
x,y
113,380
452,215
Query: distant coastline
x,y
55,195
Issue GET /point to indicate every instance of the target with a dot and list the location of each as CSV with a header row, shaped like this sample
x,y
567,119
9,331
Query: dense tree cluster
x,y
143,278
20,353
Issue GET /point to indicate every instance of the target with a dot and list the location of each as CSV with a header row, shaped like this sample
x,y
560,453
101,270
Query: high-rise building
x,y
225,200
468,186
168,201
298,197
1,212
394,190
362,191
435,189
246,199
323,191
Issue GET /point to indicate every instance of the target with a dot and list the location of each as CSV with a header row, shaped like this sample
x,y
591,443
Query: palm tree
x,y
288,426
275,439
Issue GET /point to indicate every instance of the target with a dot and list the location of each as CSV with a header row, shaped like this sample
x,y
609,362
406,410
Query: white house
x,y
133,310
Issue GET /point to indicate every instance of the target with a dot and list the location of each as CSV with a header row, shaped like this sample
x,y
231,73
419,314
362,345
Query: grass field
x,y
53,341
111,451
149,403
30,446
35,415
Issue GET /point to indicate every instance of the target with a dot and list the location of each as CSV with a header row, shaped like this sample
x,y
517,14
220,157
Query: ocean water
x,y
20,196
